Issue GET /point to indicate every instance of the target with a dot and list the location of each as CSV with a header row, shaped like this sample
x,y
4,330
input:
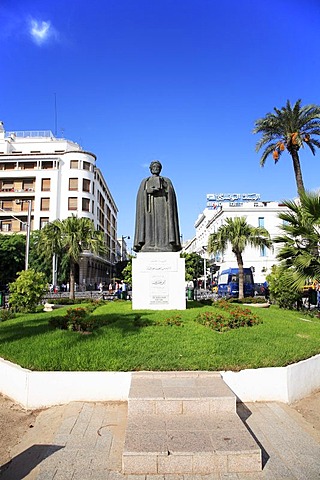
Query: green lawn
x,y
284,337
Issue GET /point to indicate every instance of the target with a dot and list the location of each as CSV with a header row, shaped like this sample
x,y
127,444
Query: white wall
x,y
42,389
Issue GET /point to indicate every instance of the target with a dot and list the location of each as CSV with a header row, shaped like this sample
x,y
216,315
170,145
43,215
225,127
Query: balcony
x,y
16,190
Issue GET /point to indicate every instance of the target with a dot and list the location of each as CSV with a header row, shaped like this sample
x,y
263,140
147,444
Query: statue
x,y
157,225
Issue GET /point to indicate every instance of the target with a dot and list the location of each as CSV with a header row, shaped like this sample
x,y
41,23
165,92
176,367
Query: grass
x,y
158,340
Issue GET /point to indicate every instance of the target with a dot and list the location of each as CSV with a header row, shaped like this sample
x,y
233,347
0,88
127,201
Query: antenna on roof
x,y
55,115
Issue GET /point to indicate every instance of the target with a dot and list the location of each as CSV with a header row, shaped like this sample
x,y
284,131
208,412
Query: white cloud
x,y
42,31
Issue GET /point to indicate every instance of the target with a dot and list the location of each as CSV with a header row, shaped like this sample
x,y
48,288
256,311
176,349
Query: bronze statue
x,y
157,224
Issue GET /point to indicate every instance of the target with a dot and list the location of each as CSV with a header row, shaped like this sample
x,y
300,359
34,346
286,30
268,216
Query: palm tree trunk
x,y
297,170
72,275
241,275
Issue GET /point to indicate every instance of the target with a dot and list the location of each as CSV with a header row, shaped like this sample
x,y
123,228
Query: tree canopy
x,y
300,238
237,233
289,128
71,237
12,256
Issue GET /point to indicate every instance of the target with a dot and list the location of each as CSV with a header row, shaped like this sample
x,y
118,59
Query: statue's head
x,y
155,167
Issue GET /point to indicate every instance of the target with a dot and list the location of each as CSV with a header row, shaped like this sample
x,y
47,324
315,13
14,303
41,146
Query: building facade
x,y
58,179
257,214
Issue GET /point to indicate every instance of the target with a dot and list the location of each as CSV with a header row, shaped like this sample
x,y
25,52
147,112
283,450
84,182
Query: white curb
x,y
43,389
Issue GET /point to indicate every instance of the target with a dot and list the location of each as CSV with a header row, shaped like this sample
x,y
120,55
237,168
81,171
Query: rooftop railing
x,y
30,133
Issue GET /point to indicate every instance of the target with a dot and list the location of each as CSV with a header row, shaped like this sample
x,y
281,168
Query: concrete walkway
x,y
84,441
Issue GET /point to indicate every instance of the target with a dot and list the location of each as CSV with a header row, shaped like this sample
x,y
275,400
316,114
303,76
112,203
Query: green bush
x,y
27,291
232,316
281,291
59,322
247,300
76,319
6,314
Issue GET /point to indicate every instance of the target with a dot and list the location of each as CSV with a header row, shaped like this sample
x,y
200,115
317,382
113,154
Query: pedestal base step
x,y
185,423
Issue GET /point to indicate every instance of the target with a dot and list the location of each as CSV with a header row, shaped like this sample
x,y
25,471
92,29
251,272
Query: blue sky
x,y
181,81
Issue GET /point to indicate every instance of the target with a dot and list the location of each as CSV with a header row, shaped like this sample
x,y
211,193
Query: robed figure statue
x,y
157,224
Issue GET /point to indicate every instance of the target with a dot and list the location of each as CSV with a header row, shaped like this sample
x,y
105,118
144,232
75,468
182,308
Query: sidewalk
x,y
84,441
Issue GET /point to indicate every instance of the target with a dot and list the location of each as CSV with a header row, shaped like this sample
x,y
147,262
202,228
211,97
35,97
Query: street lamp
x,y
122,240
28,225
204,248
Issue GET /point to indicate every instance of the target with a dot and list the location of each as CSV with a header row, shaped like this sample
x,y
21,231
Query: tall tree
x,y
289,128
237,233
300,238
71,237
12,256
193,265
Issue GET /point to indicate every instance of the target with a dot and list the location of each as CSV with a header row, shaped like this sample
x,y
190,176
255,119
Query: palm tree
x,y
300,240
289,128
239,234
71,237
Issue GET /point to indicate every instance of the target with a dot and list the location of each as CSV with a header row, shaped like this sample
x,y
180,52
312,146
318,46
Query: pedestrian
x,y
318,296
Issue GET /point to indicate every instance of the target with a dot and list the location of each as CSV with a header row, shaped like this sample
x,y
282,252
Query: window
x,y
25,206
86,166
45,204
45,185
28,165
28,185
72,203
86,185
46,165
7,186
73,184
74,163
5,226
85,205
6,205
44,221
261,222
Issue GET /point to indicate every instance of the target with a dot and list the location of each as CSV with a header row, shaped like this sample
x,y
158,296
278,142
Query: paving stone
x,y
289,452
168,407
183,441
139,464
189,400
146,442
175,464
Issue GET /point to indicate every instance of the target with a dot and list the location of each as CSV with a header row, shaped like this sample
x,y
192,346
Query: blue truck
x,y
228,283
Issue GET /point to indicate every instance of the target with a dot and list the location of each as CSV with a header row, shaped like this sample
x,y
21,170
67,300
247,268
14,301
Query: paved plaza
x,y
84,441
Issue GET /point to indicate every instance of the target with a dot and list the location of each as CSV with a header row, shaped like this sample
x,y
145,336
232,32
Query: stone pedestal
x,y
158,281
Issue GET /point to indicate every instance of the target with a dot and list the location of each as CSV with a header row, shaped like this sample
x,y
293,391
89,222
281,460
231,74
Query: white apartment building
x,y
257,213
57,178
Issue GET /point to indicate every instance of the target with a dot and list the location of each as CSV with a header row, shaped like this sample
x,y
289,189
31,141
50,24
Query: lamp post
x,y
204,248
28,225
122,240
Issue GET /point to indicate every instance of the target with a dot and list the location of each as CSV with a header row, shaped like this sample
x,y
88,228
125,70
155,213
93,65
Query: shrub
x,y
248,300
76,319
59,322
215,321
281,291
232,317
27,291
6,314
174,320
